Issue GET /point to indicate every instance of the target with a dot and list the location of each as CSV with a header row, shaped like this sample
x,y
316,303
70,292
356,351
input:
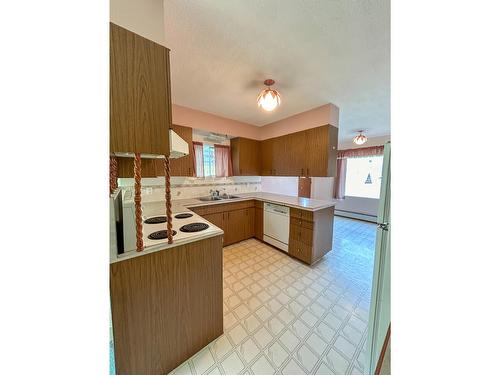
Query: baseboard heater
x,y
356,215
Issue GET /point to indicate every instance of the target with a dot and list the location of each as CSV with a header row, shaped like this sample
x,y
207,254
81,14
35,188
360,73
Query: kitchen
x,y
188,190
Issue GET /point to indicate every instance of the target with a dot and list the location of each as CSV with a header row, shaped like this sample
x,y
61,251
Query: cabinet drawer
x,y
302,214
304,235
299,250
301,223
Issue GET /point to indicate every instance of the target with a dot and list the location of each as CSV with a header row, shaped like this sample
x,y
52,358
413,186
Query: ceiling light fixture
x,y
269,99
360,138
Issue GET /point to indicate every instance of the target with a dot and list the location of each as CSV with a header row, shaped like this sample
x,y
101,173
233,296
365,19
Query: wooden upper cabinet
x,y
322,158
246,156
311,152
182,166
267,151
140,101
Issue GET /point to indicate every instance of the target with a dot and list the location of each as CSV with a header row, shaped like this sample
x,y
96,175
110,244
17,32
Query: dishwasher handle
x,y
277,208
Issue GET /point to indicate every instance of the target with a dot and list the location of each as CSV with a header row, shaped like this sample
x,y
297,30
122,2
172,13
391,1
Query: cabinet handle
x,y
308,171
302,171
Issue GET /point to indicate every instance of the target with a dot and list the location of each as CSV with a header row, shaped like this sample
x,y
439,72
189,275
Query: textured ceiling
x,y
318,52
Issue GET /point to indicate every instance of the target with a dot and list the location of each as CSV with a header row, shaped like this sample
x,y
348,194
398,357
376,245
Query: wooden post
x,y
113,174
137,200
168,198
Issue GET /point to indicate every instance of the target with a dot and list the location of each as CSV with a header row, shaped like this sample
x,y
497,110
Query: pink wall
x,y
326,114
206,121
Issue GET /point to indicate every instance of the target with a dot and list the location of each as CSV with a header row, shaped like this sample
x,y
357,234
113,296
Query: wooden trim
x,y
382,353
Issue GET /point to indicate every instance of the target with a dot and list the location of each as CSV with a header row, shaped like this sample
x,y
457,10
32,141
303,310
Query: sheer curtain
x,y
223,163
340,179
198,159
342,156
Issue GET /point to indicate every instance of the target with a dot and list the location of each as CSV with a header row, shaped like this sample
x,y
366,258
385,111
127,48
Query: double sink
x,y
217,198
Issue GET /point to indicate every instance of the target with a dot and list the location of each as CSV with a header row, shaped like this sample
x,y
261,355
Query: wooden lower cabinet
x,y
237,219
166,306
259,223
235,226
311,233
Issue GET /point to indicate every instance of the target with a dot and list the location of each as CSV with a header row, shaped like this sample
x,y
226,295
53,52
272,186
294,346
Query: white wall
x,y
365,206
143,17
280,185
322,187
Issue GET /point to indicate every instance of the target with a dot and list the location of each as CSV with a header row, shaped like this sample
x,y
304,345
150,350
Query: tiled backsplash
x,y
190,187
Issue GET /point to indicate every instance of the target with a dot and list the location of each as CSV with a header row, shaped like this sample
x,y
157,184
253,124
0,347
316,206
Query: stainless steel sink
x,y
208,199
217,198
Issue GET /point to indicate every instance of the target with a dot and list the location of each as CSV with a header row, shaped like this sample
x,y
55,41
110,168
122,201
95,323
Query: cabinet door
x,y
250,223
323,140
295,154
246,155
259,223
267,157
217,219
235,224
140,103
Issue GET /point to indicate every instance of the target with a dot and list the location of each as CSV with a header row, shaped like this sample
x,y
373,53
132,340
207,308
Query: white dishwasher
x,y
276,225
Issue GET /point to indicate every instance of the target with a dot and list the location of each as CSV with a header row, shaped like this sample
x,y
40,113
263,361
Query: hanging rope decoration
x,y
168,198
113,174
137,199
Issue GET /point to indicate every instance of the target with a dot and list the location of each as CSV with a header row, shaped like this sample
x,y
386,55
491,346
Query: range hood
x,y
178,146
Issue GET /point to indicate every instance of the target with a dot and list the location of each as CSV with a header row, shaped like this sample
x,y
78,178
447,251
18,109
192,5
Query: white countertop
x,y
287,200
183,205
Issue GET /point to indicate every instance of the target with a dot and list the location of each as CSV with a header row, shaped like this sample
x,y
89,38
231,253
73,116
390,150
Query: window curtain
x,y
340,179
198,159
342,156
361,152
223,163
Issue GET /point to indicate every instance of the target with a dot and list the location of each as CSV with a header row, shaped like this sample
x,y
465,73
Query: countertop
x,y
287,200
184,205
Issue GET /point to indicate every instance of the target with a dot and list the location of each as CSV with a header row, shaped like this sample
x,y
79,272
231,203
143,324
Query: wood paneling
x,y
140,104
246,156
304,188
166,306
126,167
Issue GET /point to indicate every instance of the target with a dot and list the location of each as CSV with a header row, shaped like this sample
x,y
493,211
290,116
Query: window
x,y
208,160
364,177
